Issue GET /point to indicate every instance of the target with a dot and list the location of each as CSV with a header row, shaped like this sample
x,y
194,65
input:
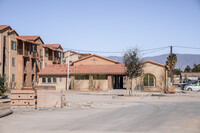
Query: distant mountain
x,y
183,59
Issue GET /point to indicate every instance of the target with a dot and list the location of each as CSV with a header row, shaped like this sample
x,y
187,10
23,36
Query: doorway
x,y
119,82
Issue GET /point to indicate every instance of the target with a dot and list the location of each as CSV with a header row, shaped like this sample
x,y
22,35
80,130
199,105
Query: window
x,y
54,80
43,80
40,52
13,45
13,62
40,65
45,64
46,52
82,77
49,80
149,80
60,79
102,77
13,77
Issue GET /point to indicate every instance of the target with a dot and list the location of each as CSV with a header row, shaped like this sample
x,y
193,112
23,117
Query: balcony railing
x,y
25,52
34,54
50,57
24,69
55,59
20,51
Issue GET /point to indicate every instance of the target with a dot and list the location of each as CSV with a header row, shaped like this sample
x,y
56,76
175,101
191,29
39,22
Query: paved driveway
x,y
120,114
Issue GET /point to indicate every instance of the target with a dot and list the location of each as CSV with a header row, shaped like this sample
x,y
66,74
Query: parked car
x,y
181,83
194,86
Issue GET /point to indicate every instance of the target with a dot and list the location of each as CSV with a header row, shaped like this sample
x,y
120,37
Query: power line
x,y
186,47
154,49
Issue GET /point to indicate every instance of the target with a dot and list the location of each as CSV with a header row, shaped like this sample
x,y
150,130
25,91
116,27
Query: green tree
x,y
174,61
177,71
2,87
187,69
133,64
196,68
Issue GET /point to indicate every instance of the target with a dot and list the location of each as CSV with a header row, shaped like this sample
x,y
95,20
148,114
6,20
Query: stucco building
x,y
22,57
8,54
93,72
73,56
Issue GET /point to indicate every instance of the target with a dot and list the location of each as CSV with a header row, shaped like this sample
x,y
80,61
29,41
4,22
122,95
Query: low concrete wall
x,y
50,98
81,84
103,84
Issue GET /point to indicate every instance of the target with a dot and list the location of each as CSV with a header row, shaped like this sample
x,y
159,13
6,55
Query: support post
x,y
68,71
171,71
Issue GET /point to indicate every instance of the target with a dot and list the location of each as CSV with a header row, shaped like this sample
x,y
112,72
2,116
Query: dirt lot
x,y
94,112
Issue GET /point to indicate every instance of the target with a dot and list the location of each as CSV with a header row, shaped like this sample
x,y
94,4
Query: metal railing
x,y
20,51
25,52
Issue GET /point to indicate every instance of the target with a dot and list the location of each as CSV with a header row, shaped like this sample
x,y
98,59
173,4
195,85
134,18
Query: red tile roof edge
x,y
2,27
156,63
96,56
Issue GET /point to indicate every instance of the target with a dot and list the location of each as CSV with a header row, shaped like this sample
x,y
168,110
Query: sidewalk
x,y
117,92
5,108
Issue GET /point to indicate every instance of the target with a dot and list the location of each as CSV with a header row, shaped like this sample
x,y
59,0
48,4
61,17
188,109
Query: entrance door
x,y
118,82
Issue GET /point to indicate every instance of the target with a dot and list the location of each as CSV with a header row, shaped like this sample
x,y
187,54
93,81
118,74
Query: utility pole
x,y
171,71
68,71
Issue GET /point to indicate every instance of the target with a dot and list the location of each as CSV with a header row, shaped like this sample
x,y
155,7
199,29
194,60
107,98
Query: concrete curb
x,y
4,111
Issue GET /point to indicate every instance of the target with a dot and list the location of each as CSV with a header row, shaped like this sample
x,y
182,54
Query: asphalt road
x,y
173,117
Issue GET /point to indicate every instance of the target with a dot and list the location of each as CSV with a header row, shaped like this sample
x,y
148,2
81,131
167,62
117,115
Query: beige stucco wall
x,y
60,84
9,53
157,71
94,61
81,84
103,84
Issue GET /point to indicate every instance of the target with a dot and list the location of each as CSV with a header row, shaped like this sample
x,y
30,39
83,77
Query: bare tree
x,y
134,65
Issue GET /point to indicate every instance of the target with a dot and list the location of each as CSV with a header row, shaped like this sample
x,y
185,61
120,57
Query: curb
x,y
5,111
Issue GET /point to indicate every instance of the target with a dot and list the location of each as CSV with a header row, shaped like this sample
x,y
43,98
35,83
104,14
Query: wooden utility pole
x,y
171,71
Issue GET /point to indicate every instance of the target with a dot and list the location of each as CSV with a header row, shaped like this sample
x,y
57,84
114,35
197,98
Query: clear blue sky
x,y
107,25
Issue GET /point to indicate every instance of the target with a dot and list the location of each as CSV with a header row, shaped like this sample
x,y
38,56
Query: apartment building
x,y
8,54
22,57
53,54
29,60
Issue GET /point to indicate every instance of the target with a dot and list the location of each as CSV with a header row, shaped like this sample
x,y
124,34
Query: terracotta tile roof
x,y
116,62
29,38
2,27
156,63
100,69
55,69
11,31
53,46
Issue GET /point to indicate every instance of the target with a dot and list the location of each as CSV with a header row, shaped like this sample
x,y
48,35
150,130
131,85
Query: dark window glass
x,y
49,80
54,80
43,80
149,80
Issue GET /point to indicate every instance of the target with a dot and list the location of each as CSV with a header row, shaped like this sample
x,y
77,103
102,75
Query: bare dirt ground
x,y
92,112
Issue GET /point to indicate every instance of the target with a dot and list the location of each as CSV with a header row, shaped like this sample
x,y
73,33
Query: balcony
x,y
50,58
24,68
34,54
25,52
20,51
55,59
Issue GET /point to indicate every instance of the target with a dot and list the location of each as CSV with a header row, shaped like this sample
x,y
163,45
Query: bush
x,y
2,87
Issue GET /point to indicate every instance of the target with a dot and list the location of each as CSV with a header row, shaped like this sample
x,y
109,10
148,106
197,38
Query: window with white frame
x,y
49,80
149,80
44,80
54,80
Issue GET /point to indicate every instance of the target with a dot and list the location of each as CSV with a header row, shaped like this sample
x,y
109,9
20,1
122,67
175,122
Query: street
x,y
104,113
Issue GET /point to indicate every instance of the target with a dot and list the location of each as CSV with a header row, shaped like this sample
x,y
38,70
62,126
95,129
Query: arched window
x,y
149,80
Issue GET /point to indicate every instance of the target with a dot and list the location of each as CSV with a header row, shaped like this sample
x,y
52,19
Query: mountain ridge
x,y
182,59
